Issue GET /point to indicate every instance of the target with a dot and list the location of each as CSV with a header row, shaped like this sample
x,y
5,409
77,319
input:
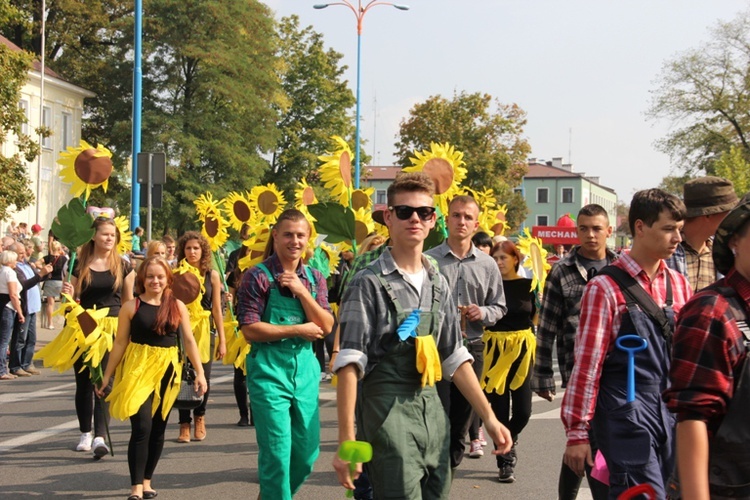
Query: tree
x,y
705,94
732,165
489,133
14,181
316,104
672,184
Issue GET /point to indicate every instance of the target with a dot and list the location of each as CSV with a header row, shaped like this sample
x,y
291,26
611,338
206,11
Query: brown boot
x,y
200,428
184,433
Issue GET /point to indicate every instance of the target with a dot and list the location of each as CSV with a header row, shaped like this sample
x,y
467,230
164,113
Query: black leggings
x,y
147,437
87,405
200,410
240,394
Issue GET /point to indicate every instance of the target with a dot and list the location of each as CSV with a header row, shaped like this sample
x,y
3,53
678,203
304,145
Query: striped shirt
x,y
602,308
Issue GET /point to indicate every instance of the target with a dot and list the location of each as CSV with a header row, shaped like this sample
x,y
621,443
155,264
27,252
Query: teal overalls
x,y
404,422
283,382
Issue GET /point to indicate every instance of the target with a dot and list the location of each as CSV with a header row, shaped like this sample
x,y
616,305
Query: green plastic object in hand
x,y
355,452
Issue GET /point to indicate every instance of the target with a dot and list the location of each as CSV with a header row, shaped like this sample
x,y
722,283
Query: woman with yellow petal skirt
x,y
193,248
509,348
101,279
147,366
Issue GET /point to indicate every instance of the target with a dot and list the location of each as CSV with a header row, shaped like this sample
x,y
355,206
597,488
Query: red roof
x,y
37,64
382,173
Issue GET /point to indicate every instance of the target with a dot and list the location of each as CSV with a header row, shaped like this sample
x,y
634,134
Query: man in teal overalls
x,y
399,412
282,309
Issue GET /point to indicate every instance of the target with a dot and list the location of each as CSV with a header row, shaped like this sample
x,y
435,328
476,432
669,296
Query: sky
x,y
583,70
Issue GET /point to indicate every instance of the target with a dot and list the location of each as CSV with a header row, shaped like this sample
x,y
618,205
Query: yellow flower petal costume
x,y
139,375
506,348
126,235
200,321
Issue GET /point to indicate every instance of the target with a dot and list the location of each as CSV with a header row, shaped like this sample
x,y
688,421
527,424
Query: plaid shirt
x,y
558,320
363,261
698,268
708,355
602,308
252,295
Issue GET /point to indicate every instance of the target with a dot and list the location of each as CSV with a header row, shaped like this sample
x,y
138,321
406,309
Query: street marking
x,y
44,393
547,415
10,444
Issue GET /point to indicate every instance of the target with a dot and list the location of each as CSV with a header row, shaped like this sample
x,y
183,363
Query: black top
x,y
207,299
521,306
99,291
59,263
142,327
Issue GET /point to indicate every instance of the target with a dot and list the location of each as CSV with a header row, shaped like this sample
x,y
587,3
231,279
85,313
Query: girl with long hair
x,y
53,283
146,360
193,248
101,278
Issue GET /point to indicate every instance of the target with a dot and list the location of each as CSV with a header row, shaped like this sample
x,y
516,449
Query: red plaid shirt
x,y
602,308
708,355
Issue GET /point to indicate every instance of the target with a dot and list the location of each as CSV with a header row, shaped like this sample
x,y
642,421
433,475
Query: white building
x,y
61,112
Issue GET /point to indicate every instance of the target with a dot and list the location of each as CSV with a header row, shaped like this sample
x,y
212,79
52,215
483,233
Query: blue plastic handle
x,y
409,326
638,344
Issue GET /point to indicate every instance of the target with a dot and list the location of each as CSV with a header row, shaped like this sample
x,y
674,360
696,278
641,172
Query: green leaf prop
x,y
319,261
72,226
334,220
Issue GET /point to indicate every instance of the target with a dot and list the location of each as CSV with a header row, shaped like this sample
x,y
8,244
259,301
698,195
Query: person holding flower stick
x,y
145,356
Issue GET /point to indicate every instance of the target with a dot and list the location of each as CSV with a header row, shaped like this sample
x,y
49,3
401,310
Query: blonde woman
x,y
53,284
10,307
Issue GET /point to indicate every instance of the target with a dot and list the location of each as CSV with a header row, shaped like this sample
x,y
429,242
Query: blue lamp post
x,y
359,12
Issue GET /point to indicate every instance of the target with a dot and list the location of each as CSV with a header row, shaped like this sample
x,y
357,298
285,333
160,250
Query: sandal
x,y
149,494
7,376
134,497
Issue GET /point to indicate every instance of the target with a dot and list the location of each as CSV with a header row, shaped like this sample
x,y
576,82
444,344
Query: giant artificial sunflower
x,y
126,235
267,203
86,168
188,287
363,224
362,198
494,221
336,171
304,196
537,261
445,167
334,256
238,209
214,227
256,244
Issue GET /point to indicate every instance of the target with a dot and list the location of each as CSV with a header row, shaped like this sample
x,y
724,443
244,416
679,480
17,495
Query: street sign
x,y
156,196
158,168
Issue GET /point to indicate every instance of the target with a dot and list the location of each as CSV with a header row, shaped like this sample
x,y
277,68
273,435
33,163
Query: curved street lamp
x,y
359,11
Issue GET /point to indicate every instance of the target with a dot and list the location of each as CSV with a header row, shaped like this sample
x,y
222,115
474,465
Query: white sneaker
x,y
85,443
100,447
482,440
476,450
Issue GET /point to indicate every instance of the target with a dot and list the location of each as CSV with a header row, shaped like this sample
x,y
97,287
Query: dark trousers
x,y
240,394
22,343
88,406
460,412
200,410
569,482
147,438
321,346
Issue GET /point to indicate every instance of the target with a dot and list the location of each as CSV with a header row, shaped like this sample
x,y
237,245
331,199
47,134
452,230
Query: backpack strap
x,y
635,294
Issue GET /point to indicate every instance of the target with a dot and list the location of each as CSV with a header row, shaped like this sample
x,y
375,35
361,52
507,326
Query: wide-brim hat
x,y
722,254
708,195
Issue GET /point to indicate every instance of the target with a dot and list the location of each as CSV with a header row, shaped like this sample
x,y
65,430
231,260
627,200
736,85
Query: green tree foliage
x,y
733,165
672,184
489,133
15,193
316,104
705,94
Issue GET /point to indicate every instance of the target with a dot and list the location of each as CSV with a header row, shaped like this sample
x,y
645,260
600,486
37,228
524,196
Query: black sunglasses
x,y
404,212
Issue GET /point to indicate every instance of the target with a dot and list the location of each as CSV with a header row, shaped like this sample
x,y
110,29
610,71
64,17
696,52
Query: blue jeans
x,y
7,318
23,343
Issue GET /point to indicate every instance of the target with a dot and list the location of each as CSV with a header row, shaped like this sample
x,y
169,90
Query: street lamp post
x,y
359,12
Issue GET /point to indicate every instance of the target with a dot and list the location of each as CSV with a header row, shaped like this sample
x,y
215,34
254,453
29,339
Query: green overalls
x,y
283,384
404,422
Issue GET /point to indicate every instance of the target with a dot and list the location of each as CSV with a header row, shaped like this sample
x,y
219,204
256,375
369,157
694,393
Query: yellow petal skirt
x,y
505,348
139,376
65,349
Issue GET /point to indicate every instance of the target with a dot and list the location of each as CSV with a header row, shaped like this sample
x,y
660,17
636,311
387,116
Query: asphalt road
x,y
39,431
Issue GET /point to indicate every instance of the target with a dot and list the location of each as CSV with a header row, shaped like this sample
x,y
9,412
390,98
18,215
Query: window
x,y
381,197
567,195
47,122
67,130
24,106
542,195
542,220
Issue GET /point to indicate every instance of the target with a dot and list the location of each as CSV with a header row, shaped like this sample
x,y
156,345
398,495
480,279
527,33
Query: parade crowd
x,y
429,348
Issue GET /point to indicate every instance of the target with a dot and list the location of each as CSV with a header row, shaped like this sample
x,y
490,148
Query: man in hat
x,y
708,200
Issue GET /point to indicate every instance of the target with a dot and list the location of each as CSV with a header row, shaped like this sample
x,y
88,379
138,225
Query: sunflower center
x,y
267,202
92,169
308,196
88,324
360,231
212,226
186,287
241,211
360,200
345,167
441,173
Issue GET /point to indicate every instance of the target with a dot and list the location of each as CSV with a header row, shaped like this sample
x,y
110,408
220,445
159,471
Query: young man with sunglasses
x,y
477,291
399,412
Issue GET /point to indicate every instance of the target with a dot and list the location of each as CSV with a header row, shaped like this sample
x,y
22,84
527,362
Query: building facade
x,y
60,109
379,178
552,189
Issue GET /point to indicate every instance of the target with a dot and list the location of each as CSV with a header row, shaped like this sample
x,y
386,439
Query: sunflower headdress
x,y
238,209
126,235
445,166
267,203
336,171
537,261
214,226
86,168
